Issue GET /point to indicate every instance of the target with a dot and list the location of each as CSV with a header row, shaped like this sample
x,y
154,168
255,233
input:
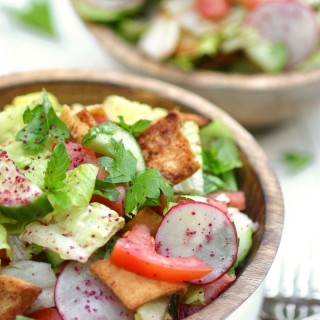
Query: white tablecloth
x,y
74,47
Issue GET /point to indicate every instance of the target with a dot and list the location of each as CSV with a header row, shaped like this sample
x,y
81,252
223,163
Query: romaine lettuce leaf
x,y
78,188
220,156
195,183
76,233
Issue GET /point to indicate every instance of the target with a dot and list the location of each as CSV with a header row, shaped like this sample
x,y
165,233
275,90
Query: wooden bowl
x,y
256,178
256,101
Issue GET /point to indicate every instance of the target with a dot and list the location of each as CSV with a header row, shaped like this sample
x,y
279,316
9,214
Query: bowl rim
x,y
244,286
133,57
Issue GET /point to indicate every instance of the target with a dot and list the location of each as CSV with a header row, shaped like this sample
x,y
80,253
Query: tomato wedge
x,y
135,252
118,205
46,314
213,9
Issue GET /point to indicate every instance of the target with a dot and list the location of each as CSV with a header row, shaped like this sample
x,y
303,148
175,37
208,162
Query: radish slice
x,y
202,230
290,22
161,39
79,295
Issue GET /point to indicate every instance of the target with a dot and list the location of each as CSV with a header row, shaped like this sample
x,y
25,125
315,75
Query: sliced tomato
x,y
79,155
135,252
219,204
237,198
250,4
163,203
118,205
213,9
46,314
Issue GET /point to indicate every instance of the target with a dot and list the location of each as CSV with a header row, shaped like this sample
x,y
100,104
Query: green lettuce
x,y
77,188
75,234
220,156
195,183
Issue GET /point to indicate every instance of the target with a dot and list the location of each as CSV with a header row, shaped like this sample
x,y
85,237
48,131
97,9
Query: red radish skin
x,y
200,229
79,155
290,22
79,295
211,291
214,289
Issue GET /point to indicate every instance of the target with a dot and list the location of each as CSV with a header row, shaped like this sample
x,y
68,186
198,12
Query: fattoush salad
x,y
232,36
116,210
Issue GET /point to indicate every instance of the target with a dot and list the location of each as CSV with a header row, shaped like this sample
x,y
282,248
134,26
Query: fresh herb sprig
x,y
136,128
55,175
43,125
121,166
144,189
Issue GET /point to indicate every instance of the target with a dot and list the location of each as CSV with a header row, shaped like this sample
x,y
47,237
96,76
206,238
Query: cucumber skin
x,y
37,209
101,135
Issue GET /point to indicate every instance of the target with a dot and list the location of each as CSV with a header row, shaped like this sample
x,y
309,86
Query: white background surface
x,y
74,47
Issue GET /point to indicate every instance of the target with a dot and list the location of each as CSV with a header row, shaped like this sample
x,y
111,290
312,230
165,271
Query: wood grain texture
x,y
257,179
256,101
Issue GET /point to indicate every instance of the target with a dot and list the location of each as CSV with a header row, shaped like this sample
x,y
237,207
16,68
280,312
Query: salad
x,y
116,211
236,36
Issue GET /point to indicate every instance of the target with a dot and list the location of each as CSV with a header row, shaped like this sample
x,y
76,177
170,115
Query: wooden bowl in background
x,y
256,101
256,178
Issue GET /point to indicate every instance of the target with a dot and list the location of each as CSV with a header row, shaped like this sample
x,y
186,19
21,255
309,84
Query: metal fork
x,y
292,287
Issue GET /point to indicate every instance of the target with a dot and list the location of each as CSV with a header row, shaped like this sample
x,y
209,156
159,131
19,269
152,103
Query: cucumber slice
x,y
20,199
106,11
54,259
243,225
154,309
100,136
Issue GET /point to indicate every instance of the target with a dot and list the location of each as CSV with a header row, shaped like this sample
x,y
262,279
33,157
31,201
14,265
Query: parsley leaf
x,y
37,16
145,190
55,175
121,166
106,190
136,128
43,125
296,160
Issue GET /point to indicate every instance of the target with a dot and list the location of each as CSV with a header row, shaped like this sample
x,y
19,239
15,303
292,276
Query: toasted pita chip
x,y
97,111
77,128
133,290
16,296
85,116
165,148
199,120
